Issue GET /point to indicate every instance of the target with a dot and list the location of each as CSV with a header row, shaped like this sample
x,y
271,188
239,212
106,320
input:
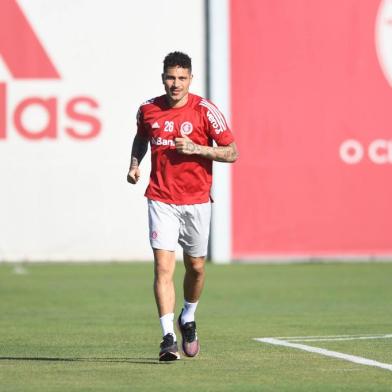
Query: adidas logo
x,y
155,125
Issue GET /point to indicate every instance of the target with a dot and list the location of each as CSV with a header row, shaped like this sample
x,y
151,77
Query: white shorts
x,y
188,225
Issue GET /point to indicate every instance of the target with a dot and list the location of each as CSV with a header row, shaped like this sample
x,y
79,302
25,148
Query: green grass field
x,y
94,328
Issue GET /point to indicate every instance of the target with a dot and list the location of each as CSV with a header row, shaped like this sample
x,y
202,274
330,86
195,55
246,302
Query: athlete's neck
x,y
177,103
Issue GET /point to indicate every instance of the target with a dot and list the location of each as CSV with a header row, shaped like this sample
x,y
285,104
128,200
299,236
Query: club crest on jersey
x,y
186,128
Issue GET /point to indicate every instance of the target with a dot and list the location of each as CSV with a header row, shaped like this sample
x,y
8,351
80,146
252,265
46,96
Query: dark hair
x,y
177,59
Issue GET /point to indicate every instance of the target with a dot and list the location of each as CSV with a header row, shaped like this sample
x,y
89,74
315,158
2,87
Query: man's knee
x,y
164,265
195,265
163,271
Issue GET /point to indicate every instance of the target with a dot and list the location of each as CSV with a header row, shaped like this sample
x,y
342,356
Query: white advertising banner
x,y
72,75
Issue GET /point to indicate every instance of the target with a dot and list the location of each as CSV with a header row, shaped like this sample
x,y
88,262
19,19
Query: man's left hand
x,y
185,146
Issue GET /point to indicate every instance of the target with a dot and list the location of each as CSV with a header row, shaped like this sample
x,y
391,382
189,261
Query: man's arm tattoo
x,y
139,149
191,147
221,153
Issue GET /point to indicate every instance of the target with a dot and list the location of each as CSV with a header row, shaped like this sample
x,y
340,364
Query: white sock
x,y
188,314
167,324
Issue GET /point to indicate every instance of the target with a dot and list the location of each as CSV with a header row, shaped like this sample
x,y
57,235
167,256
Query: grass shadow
x,y
145,361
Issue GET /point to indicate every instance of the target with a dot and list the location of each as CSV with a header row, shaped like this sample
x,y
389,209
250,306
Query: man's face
x,y
177,81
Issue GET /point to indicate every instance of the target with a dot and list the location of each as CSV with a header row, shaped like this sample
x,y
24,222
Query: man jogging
x,y
180,128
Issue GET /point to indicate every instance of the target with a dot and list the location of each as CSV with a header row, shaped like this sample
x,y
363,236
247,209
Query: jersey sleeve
x,y
141,128
217,127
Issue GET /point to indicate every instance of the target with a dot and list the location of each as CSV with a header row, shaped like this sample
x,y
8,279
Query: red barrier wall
x,y
312,112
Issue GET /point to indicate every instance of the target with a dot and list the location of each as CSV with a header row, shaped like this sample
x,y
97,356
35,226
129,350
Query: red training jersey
x,y
176,178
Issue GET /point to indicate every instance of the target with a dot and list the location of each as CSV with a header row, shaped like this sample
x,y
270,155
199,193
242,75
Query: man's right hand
x,y
133,175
